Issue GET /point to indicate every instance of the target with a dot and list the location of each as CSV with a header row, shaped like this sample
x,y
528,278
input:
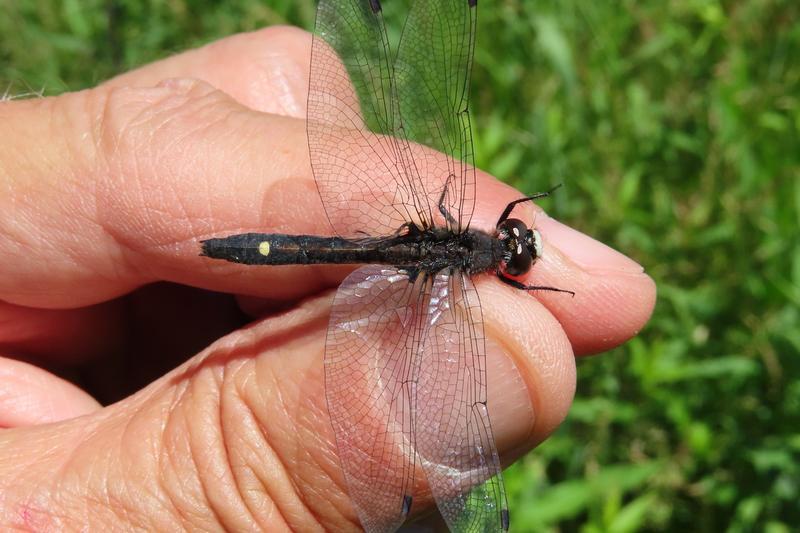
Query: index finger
x,y
254,176
183,161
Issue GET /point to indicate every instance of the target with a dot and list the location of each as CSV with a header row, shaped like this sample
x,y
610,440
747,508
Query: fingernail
x,y
583,250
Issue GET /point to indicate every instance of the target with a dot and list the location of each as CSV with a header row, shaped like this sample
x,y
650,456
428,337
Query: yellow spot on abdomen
x,y
263,248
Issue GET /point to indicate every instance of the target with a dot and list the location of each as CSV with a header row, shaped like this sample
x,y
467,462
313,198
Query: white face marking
x,y
516,232
263,248
537,243
519,249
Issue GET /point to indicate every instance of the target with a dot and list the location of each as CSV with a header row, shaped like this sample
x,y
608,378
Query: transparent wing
x,y
371,355
453,434
364,108
432,73
364,178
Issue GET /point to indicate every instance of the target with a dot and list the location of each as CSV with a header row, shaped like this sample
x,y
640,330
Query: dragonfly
x,y
391,152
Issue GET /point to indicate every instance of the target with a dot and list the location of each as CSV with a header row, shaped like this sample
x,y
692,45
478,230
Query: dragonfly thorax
x,y
473,251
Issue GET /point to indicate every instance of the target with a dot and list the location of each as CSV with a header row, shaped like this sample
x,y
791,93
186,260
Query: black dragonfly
x,y
405,365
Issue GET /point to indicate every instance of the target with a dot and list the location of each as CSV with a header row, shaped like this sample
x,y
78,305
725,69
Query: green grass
x,y
674,126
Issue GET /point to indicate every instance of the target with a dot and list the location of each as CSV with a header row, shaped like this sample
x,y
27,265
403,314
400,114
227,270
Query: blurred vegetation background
x,y
674,126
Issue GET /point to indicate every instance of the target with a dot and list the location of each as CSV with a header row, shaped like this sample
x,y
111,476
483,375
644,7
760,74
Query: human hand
x,y
111,189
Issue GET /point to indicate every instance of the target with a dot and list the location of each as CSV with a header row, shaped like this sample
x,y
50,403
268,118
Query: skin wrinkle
x,y
276,388
222,516
107,134
126,253
317,512
57,495
269,514
125,509
148,115
229,392
158,150
118,507
245,422
330,469
167,455
161,131
113,499
194,453
198,226
82,208
307,458
63,471
187,217
205,110
224,445
168,452
533,390
275,510
154,149
266,482
116,499
291,486
183,515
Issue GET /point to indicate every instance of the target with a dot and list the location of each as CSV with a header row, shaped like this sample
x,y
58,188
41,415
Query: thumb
x,y
239,437
235,439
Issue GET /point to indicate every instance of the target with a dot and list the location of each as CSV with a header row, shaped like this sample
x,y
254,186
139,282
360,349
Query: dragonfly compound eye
x,y
518,241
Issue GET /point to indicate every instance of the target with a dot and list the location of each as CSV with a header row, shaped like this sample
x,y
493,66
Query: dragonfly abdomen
x,y
281,249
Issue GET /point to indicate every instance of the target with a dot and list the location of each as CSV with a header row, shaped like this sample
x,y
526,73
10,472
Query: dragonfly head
x,y
523,246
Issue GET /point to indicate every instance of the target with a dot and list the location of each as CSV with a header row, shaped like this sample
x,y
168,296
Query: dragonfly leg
x,y
510,206
442,209
521,286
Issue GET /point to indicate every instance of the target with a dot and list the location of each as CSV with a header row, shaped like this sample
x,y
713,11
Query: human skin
x,y
110,189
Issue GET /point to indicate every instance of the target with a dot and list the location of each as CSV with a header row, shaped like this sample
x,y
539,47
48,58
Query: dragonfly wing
x,y
372,352
432,73
453,433
362,162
